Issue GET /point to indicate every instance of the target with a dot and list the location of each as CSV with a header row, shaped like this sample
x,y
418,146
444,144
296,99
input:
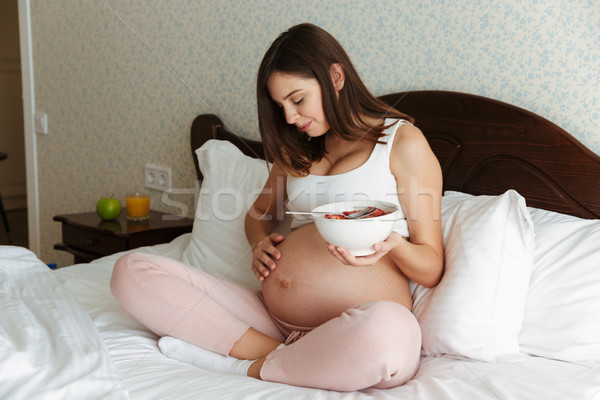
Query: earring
x,y
341,86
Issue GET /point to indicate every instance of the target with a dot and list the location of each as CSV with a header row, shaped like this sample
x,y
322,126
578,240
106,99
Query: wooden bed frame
x,y
484,147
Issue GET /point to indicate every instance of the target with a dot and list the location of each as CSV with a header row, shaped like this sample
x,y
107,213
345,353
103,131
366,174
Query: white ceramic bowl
x,y
356,235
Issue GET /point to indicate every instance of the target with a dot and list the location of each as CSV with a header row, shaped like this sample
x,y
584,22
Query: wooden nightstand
x,y
88,237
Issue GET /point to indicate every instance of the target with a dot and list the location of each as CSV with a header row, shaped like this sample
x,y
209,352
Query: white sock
x,y
191,354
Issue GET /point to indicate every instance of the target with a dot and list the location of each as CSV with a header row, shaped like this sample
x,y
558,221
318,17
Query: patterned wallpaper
x,y
122,80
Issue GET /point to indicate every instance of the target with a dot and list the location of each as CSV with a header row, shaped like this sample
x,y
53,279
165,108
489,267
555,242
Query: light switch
x,y
41,123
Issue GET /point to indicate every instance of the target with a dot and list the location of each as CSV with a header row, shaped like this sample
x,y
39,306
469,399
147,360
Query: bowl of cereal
x,y
338,226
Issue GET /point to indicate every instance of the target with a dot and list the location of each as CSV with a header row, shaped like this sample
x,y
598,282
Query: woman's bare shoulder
x,y
410,142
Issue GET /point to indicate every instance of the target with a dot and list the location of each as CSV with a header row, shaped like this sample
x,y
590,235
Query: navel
x,y
285,283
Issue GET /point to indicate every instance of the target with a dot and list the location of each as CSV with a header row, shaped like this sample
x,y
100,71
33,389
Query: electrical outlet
x,y
158,178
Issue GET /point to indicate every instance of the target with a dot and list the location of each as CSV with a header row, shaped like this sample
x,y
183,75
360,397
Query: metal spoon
x,y
365,212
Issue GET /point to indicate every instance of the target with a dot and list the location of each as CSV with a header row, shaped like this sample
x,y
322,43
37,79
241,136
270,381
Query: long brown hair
x,y
308,51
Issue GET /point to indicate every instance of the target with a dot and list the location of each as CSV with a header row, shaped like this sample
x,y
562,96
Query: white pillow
x,y
562,315
562,312
476,310
231,183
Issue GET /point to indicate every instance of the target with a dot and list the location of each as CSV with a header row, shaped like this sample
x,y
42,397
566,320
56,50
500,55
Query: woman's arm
x,y
260,222
419,179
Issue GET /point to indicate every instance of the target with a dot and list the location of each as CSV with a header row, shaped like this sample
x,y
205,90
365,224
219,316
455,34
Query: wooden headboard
x,y
484,147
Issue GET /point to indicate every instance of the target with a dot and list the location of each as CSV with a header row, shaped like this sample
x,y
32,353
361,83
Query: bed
x,y
516,316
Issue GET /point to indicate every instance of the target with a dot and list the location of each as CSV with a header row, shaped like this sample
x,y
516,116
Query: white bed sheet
x,y
147,374
49,347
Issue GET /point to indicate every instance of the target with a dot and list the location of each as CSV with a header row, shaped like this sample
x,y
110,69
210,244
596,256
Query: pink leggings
x,y
371,345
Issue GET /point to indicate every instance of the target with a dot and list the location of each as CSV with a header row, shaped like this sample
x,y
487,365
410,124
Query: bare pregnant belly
x,y
310,286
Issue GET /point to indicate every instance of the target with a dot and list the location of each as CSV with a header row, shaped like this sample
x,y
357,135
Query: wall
x,y
122,80
12,169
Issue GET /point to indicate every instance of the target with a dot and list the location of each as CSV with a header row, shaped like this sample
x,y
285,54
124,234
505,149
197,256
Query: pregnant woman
x,y
324,318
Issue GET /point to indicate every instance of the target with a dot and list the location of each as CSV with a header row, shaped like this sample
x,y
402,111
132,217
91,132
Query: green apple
x,y
108,208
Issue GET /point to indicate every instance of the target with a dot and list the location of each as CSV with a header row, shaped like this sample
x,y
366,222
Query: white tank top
x,y
373,180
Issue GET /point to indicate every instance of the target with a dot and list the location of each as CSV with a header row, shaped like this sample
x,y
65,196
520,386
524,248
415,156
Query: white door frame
x,y
33,211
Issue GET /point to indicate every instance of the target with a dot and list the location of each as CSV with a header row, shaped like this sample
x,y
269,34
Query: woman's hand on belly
x,y
381,249
264,255
310,286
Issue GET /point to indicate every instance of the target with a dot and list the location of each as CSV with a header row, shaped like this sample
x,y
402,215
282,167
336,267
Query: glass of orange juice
x,y
138,206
